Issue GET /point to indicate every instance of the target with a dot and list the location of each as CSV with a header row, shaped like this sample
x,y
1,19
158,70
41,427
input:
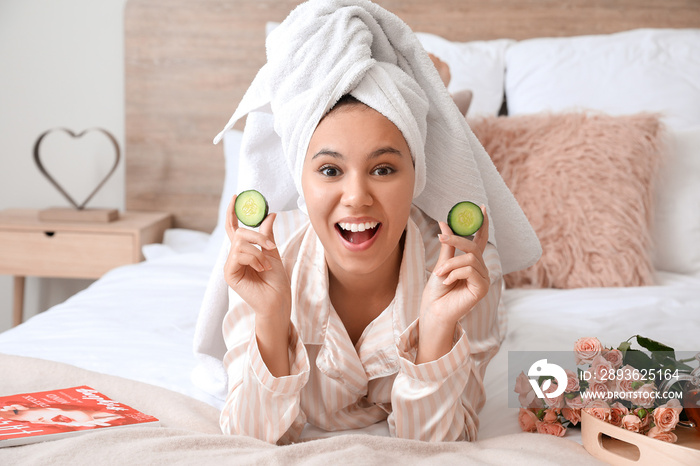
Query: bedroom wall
x,y
61,64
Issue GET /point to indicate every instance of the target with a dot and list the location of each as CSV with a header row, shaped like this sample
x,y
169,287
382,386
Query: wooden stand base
x,y
18,305
66,214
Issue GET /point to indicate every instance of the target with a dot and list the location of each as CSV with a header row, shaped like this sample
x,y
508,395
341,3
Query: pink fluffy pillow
x,y
585,182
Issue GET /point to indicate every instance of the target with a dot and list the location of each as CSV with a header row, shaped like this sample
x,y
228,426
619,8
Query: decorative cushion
x,y
232,145
585,182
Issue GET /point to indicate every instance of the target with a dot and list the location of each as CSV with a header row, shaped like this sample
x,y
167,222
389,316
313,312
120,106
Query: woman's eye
x,y
383,171
329,171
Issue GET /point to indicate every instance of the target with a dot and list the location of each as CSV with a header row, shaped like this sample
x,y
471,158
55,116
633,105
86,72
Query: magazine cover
x,y
37,417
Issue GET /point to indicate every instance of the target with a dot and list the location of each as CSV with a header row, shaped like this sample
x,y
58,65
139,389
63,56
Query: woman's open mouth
x,y
358,236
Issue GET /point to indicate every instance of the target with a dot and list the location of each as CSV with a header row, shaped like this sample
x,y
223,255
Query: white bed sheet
x,y
138,322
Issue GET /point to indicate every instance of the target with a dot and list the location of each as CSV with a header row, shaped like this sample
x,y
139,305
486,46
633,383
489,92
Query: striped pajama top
x,y
336,385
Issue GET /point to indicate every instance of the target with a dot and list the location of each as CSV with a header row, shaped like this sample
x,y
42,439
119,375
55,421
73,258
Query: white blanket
x,y
131,324
189,434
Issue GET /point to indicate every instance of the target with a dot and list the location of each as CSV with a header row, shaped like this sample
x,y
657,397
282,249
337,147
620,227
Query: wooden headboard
x,y
189,62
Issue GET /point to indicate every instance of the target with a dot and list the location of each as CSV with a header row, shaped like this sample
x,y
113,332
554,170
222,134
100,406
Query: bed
x,y
598,137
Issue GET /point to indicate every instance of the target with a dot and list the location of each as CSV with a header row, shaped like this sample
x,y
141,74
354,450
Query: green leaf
x,y
638,359
652,345
542,378
682,366
664,359
624,346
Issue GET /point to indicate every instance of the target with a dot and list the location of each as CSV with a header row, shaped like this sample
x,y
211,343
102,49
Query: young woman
x,y
342,329
370,310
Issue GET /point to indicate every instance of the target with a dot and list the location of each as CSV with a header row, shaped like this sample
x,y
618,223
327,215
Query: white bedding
x,y
138,321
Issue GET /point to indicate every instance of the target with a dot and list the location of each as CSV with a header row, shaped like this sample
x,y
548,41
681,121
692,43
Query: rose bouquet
x,y
617,385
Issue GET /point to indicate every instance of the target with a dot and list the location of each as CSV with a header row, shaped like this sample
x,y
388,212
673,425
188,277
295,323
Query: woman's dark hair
x,y
346,101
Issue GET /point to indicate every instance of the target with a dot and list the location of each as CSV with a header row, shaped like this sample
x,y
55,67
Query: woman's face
x,y
358,181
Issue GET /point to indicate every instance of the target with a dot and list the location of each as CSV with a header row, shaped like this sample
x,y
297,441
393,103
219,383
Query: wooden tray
x,y
618,446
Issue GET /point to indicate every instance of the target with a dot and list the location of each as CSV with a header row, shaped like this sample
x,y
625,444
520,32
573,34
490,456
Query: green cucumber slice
x,y
465,218
251,208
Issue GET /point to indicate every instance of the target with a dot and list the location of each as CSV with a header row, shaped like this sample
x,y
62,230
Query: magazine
x,y
37,417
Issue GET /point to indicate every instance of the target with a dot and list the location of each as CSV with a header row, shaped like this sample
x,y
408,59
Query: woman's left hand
x,y
457,283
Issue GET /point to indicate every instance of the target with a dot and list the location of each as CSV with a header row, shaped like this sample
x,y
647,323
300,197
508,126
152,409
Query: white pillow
x,y
677,215
478,66
655,70
232,145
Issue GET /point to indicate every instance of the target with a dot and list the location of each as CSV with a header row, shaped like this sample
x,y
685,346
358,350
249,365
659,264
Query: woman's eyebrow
x,y
332,153
384,150
375,154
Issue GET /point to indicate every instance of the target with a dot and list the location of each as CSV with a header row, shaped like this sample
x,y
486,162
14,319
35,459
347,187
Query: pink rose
x,y
666,415
631,422
600,390
614,356
522,384
571,415
602,369
644,415
587,349
551,428
572,384
526,395
550,416
664,436
643,396
629,375
574,403
556,402
599,409
618,412
586,375
527,420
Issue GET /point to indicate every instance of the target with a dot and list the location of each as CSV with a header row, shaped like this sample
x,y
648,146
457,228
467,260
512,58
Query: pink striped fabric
x,y
336,385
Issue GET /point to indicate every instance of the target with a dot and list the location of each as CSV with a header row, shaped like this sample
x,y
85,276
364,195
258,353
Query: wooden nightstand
x,y
29,246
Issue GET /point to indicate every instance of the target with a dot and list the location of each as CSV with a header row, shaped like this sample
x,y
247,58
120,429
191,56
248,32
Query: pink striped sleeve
x,y
439,400
259,404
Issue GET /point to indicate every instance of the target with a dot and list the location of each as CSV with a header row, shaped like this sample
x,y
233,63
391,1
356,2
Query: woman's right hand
x,y
257,274
259,277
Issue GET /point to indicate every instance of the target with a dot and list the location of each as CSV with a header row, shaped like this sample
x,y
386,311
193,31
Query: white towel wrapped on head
x,y
328,48
324,50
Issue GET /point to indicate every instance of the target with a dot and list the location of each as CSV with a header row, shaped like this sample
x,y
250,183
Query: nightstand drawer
x,y
67,254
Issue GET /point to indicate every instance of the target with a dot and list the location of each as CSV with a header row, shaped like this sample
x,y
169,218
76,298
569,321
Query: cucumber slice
x,y
465,218
251,208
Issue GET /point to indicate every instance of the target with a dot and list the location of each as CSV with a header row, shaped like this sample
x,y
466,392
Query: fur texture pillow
x,y
585,182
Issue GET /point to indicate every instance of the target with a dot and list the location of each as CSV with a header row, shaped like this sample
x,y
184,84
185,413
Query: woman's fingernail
x,y
270,244
438,271
442,237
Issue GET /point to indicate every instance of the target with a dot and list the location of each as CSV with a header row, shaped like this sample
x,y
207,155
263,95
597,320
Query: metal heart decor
x,y
37,160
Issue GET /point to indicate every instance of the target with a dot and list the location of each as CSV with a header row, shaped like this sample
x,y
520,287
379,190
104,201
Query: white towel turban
x,y
328,48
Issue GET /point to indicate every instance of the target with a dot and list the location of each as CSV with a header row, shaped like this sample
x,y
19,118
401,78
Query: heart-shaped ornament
x,y
42,169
